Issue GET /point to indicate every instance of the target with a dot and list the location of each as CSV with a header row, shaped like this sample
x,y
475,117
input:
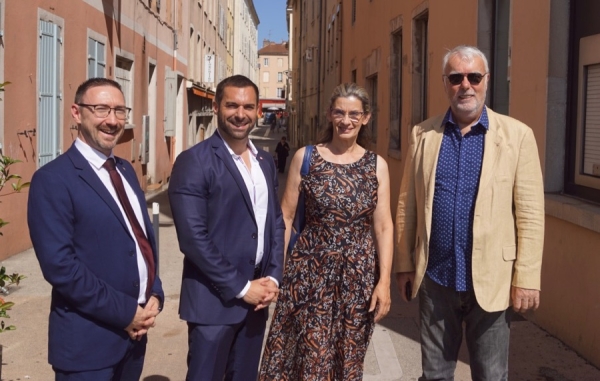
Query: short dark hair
x,y
94,82
234,81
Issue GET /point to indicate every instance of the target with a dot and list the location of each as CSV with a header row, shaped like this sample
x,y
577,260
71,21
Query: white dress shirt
x,y
97,160
255,181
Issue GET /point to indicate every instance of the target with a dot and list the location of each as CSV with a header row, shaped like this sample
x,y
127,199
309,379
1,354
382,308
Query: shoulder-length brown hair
x,y
347,90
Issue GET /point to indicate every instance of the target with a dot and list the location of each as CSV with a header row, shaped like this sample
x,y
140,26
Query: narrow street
x,y
394,353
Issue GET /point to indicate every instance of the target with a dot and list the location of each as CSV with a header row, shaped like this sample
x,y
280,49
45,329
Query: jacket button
x,y
254,235
131,252
251,262
136,284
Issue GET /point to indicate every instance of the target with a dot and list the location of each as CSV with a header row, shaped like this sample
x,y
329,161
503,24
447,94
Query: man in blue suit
x,y
95,245
223,195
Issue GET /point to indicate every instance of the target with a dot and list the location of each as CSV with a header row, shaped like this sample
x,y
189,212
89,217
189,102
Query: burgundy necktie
x,y
142,241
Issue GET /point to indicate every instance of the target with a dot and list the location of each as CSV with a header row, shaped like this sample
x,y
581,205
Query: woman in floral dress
x,y
336,282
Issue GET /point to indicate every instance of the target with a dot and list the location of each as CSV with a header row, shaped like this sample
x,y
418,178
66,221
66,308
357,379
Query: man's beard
x,y
225,128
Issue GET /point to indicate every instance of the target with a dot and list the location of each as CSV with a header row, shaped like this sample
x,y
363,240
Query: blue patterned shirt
x,y
456,186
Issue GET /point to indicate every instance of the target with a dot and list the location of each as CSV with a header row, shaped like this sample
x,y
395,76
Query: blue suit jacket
x,y
217,232
88,256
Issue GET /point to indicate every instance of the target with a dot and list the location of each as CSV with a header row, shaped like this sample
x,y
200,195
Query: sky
x,y
273,24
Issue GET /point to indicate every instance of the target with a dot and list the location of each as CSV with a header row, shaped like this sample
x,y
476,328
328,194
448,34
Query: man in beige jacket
x,y
470,225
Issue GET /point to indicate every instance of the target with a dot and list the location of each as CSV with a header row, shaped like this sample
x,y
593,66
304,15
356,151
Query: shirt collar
x,y
250,145
92,155
483,119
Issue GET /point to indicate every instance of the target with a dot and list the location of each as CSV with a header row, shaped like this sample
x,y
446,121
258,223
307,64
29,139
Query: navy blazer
x,y
217,232
88,256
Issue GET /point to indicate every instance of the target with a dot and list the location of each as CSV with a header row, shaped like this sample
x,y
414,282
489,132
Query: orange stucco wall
x,y
569,305
150,41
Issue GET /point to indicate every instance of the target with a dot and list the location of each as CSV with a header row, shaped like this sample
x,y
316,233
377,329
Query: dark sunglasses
x,y
457,78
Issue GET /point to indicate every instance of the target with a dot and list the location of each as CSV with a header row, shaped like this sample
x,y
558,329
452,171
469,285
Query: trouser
x,y
281,161
226,352
128,369
443,312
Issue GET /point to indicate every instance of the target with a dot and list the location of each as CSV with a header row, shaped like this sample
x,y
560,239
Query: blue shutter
x,y
48,132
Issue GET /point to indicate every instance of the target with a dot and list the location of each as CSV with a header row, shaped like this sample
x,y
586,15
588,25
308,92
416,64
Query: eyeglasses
x,y
103,111
354,116
457,78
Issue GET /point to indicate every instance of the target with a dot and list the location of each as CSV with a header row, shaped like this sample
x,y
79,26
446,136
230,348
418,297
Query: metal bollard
x,y
155,211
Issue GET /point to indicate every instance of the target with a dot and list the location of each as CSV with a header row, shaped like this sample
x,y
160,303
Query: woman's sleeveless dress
x,y
321,326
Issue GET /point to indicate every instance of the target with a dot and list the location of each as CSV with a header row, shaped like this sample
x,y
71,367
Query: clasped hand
x,y
144,319
261,293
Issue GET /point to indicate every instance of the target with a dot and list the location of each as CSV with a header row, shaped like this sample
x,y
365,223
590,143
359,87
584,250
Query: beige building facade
x,y
246,40
273,68
545,71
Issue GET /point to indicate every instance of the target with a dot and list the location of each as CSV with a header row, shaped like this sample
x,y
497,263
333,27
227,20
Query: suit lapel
x,y
223,154
491,151
87,174
431,143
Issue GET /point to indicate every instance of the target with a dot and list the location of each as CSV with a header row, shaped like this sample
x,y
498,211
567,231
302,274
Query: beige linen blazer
x,y
508,226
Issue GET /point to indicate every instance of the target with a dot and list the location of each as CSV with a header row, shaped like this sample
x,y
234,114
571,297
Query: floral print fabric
x,y
321,326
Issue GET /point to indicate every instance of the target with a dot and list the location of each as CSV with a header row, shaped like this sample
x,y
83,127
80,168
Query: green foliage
x,y
6,176
7,280
5,306
2,86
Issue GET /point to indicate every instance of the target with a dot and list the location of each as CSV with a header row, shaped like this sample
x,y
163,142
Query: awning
x,y
278,105
202,92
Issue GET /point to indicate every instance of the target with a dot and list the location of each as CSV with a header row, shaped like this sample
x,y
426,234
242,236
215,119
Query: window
x,y
279,62
266,62
588,117
50,68
96,61
279,77
583,118
420,63
266,76
124,77
280,93
396,91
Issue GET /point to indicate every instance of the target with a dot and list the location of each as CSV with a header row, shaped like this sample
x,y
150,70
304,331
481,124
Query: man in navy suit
x,y
105,290
223,195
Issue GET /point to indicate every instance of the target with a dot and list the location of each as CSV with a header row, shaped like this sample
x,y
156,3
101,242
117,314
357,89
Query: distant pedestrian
x,y
92,235
470,225
283,151
223,194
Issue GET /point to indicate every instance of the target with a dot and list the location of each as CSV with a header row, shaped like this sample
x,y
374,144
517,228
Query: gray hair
x,y
465,52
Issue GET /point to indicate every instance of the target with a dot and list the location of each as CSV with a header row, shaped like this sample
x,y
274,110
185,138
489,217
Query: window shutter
x,y
591,156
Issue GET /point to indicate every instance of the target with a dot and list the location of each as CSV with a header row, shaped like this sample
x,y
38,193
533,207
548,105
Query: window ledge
x,y
129,126
573,210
